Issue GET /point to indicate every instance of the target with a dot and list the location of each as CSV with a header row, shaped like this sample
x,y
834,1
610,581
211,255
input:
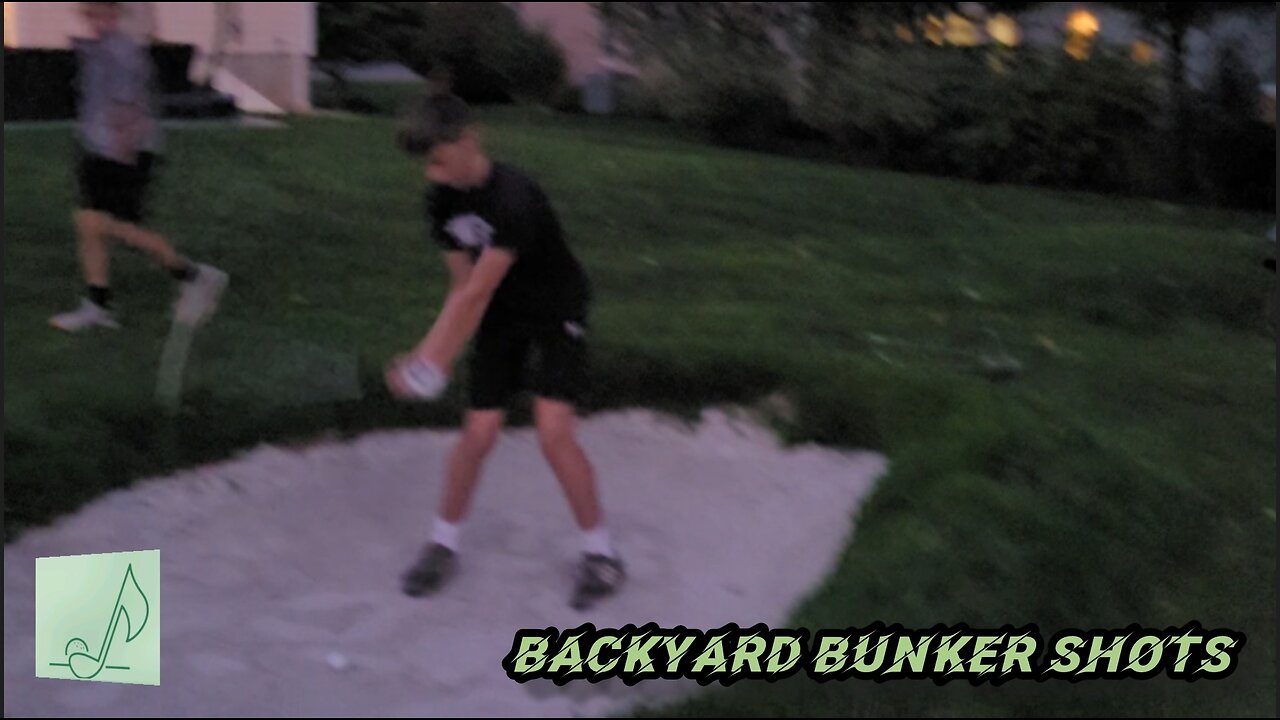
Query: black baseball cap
x,y
433,120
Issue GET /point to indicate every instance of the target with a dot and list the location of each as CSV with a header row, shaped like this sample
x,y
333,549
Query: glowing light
x,y
1082,25
1078,47
933,30
1143,53
1083,22
961,32
1004,30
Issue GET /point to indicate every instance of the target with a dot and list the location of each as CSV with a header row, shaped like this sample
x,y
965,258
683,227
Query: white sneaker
x,y
89,315
198,299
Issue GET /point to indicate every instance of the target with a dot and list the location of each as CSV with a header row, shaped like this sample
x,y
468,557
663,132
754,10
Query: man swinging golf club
x,y
515,287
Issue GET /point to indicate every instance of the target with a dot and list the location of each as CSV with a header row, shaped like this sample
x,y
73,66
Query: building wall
x,y
282,78
52,25
271,53
574,26
268,27
278,28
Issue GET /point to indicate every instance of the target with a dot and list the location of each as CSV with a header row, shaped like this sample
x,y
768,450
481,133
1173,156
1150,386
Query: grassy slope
x,y
1128,476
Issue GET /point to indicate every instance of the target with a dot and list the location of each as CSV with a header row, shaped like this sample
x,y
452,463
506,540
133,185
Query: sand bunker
x,y
275,560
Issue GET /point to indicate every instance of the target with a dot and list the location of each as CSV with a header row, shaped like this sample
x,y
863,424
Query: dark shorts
x,y
550,360
115,188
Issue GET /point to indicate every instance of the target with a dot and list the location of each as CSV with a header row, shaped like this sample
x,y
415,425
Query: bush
x,y
1236,149
537,72
993,115
882,100
1060,122
735,104
635,99
489,55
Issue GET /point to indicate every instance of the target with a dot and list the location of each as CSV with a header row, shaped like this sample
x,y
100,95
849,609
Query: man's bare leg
x,y
93,230
601,572
556,423
151,243
438,561
479,434
202,285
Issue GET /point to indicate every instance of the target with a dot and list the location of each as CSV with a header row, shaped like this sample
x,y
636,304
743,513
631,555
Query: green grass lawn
x,y
1126,476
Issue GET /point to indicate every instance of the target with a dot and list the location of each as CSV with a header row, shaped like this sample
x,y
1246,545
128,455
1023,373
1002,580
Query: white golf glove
x,y
423,379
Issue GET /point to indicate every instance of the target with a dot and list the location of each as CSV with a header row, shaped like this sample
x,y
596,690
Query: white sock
x,y
596,542
446,534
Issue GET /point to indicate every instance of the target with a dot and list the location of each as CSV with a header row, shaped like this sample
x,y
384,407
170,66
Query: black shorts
x,y
550,360
115,188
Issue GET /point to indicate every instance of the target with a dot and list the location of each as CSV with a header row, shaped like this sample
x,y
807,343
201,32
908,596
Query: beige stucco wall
x,y
271,53
268,27
284,79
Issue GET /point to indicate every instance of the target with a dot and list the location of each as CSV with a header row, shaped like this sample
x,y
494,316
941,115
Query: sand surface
x,y
277,560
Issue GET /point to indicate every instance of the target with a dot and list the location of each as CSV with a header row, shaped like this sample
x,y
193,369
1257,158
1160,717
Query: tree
x,y
1172,22
759,30
488,53
734,65
663,31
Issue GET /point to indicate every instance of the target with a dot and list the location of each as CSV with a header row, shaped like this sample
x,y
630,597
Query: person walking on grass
x,y
119,148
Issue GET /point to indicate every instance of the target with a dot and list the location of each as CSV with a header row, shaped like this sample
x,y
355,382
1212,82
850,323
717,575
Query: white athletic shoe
x,y
89,315
198,299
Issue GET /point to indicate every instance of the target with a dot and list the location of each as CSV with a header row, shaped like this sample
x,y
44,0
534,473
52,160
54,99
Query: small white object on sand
x,y
338,661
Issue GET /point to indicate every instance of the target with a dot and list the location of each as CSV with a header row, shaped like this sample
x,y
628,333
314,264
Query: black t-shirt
x,y
546,283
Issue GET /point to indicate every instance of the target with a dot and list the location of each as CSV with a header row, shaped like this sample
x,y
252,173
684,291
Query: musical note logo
x,y
131,611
